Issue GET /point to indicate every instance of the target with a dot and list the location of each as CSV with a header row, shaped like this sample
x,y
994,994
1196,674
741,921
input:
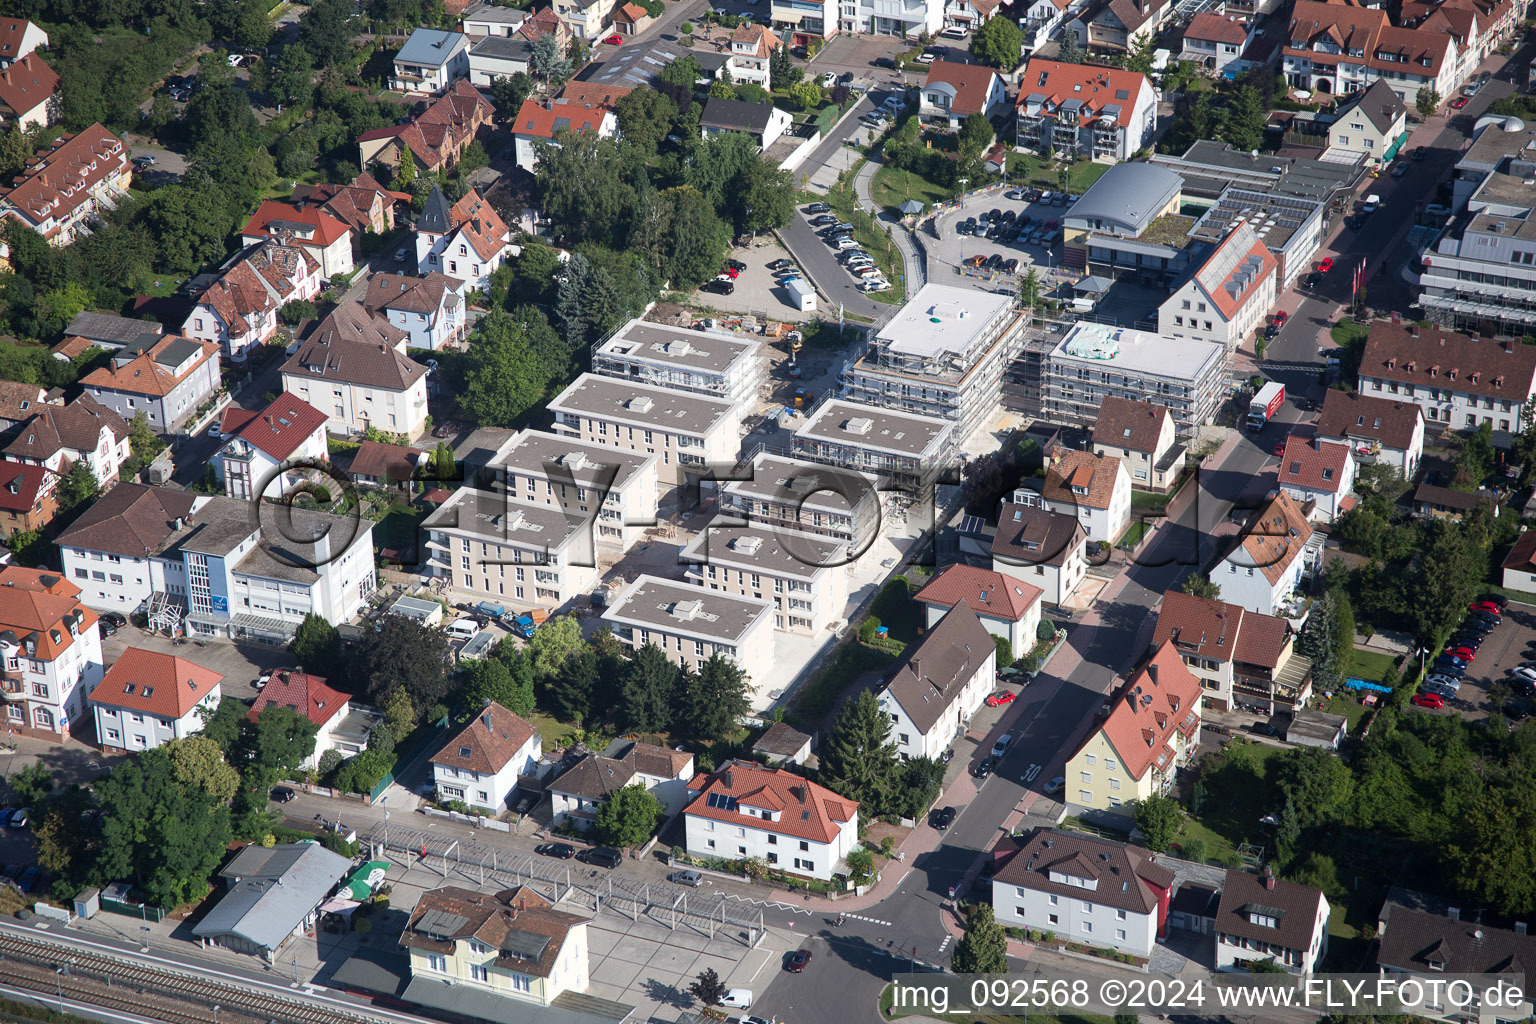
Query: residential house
x,y
719,363
19,402
1371,126
1006,606
953,92
1216,42
507,953
538,466
1120,26
376,464
1339,49
1038,19
969,15
1152,730
689,431
817,499
430,61
281,445
1518,567
50,653
1427,939
1460,381
493,57
165,377
907,18
437,137
804,576
1086,890
485,19
545,22
905,450
1041,547
502,548
764,122
586,19
69,185
481,764
1240,658
218,565
631,19
324,237
148,697
108,330
1142,436
29,93
1320,473
938,683
467,241
746,810
1087,110
594,94
58,435
583,787
430,309
239,310
1227,298
363,205
340,725
353,368
28,497
690,625
751,46
19,37
1377,430
1091,486
1267,919
781,743
272,895
1264,567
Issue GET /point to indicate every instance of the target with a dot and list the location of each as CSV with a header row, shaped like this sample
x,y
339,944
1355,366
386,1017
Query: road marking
x,y
945,944
768,903
871,920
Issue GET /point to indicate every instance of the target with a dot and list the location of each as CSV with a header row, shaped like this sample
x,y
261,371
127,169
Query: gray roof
x,y
638,65
503,519
736,115
473,1003
542,454
288,546
706,351
781,738
765,549
1128,194
503,47
435,214
1416,941
1031,536
272,890
677,412
810,485
494,14
1380,105
673,607
1314,724
430,46
108,330
931,675
865,426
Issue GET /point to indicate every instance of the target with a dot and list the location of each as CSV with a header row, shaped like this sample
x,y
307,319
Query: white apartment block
x,y
690,625
1460,381
579,476
688,431
504,548
50,653
747,810
1228,298
805,577
805,497
716,363
906,451
1186,375
148,698
939,683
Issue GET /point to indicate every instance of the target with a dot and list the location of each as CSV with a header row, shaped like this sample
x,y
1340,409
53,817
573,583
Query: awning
x,y
1386,157
261,626
338,905
367,878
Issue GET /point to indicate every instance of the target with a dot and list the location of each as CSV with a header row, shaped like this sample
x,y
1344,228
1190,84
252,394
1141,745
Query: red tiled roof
x,y
1274,537
811,812
19,485
27,83
142,375
1126,423
40,604
633,12
595,94
60,180
75,427
481,225
1141,729
1080,478
384,461
1431,357
972,83
19,401
762,41
154,683
1199,626
11,32
70,348
1235,270
1313,464
1098,87
490,740
1217,28
542,121
273,217
311,696
987,592
282,426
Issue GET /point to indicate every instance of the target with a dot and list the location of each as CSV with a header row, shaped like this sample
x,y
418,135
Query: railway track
x,y
161,993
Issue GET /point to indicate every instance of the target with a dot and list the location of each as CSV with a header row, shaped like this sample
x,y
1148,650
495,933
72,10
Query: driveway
x,y
169,166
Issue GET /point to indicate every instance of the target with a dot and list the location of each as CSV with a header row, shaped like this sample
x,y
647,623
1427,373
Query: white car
x,y
737,998
828,79
1521,672
235,60
874,284
1001,746
463,629
927,57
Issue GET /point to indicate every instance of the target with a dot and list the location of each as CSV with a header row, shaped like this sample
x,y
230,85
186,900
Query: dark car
x,y
113,617
882,62
780,264
984,768
1418,153
1313,279
797,961
564,851
1449,668
719,287
991,262
1263,729
818,208
736,264
1516,712
601,857
941,818
282,794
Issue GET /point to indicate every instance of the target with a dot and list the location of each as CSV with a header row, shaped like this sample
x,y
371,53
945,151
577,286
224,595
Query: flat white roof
x,y
1131,351
643,405
671,606
941,318
864,426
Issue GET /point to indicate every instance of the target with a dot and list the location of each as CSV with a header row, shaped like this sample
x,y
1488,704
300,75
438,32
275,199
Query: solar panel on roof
x,y
972,524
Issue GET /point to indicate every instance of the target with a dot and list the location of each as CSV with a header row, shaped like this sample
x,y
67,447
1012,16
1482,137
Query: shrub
x,y
1045,631
1194,849
868,629
330,761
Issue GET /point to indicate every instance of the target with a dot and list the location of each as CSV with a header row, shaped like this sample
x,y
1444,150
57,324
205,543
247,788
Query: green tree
x,y
77,486
976,131
1029,288
509,91
361,773
721,90
708,988
277,743
399,716
780,64
15,150
1159,818
1427,101
1070,51
1444,579
768,198
223,725
1142,55
644,116
1243,126
1320,641
858,759
1492,856
861,863
296,312
444,465
650,682
998,43
317,647
684,71
714,699
405,653
1201,586
1318,785
628,818
405,174
512,362
293,80
1477,460
547,62
59,306
552,644
984,949
918,782
569,694
325,30
32,785
695,239
491,679
804,94
198,763
29,548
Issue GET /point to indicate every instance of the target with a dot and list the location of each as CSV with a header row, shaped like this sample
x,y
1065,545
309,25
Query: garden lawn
x,y
1347,331
1133,535
893,186
1027,170
1370,665
1350,707
162,285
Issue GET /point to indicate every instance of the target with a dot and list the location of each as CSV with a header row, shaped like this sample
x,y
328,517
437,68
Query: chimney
x,y
516,908
1268,878
1414,330
485,719
1521,928
1152,673
1397,318
1454,913
323,548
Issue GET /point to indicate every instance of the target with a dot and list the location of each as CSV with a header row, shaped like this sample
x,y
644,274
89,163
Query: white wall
x,y
121,729
706,837
1075,920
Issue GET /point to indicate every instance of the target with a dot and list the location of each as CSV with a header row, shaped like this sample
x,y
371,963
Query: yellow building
x,y
1153,727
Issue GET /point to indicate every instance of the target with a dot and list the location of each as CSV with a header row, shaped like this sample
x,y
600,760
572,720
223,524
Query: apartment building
x,y
1086,110
1375,429
938,683
720,364
751,47
1120,25
438,136
218,565
544,121
50,653
1340,49
1216,42
1093,487
1264,567
804,577
1319,474
480,765
430,61
907,451
148,698
268,453
586,19
165,377
1266,919
430,310
942,355
467,240
1426,938
238,311
1371,126
1228,297
579,476
805,497
1142,436
1240,658
689,431
747,810
1005,605
353,368
1459,381
690,625
1152,730
326,239
906,18
68,185
797,22
1041,548
58,435
1086,890
1184,375
506,549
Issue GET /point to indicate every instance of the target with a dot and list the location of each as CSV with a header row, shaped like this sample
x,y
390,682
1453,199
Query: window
x,y
1053,901
1087,927
1119,915
804,845
1114,783
522,983
1087,777
1092,759
1052,918
1120,934
479,972
436,962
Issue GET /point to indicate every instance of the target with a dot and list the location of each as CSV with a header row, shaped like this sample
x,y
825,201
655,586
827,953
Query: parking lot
x,y
950,253
1512,643
755,289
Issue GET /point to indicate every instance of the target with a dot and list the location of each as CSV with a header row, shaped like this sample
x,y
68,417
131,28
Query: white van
x,y
737,998
463,629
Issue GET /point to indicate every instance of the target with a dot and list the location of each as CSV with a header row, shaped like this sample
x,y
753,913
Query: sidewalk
x,y
899,233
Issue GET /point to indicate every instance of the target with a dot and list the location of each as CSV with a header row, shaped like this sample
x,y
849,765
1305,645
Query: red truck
x,y
1265,405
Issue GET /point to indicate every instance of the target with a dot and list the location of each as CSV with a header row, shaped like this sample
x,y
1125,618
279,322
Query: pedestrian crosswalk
x,y
871,920
945,944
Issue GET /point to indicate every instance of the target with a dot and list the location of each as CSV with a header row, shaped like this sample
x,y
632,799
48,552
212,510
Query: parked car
x,y
1001,746
1497,600
983,768
796,962
688,878
941,818
1521,672
1515,711
1000,698
601,857
817,208
719,287
737,998
19,817
780,264
927,57
560,851
282,794
821,220
1056,785
874,284
1485,606
28,878
1428,700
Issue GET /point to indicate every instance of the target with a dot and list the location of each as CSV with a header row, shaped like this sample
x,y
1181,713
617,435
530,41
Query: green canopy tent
x,y
366,879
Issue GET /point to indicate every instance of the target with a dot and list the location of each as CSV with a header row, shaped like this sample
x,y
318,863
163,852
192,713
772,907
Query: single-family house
x,y
1091,486
50,653
1239,657
239,310
1006,606
1377,430
272,894
58,435
578,792
1423,938
148,697
18,402
1267,919
376,464
1265,564
269,452
430,309
1371,126
939,683
1141,435
953,92
747,810
28,497
751,47
764,122
1318,472
353,368
341,725
968,15
1038,19
165,377
436,138
19,37
363,204
430,61
1215,42
467,240
324,237
29,93
1041,547
481,764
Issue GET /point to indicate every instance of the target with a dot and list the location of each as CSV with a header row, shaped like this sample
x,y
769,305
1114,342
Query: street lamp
x,y
962,182
144,927
215,1013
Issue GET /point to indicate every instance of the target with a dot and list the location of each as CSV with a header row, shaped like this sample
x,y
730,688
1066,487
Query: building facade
x,y
746,810
1459,381
148,698
689,432
481,764
1185,376
165,377
939,683
504,548
1142,436
50,653
691,625
803,575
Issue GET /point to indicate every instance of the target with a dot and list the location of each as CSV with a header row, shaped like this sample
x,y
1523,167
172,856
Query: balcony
x,y
13,689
